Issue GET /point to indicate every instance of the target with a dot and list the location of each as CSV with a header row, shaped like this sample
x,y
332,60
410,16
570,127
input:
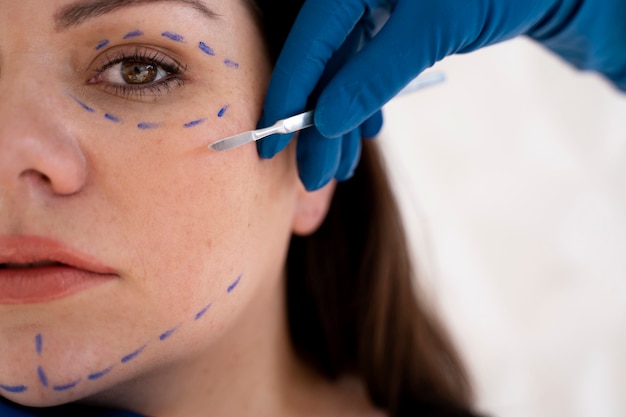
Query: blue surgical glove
x,y
589,34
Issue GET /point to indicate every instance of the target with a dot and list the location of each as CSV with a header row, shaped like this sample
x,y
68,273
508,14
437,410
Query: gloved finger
x,y
319,30
271,145
317,157
372,126
416,36
350,154
367,82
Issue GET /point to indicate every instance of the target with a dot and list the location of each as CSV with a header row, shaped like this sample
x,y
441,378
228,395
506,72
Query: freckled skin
x,y
176,221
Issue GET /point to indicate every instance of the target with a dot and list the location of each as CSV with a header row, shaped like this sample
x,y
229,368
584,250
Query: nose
x,y
38,152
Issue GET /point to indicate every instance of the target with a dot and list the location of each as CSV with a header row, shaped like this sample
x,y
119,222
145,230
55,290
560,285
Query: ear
x,y
311,209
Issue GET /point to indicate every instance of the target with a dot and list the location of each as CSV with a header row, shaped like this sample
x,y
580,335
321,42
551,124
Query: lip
x,y
58,271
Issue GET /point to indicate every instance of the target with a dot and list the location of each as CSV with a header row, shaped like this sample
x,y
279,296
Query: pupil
x,y
138,72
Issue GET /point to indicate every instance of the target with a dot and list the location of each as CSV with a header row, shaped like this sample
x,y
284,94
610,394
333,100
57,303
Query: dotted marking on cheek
x,y
43,379
165,335
14,389
173,36
38,344
206,48
102,44
202,312
133,34
100,374
133,355
65,387
232,286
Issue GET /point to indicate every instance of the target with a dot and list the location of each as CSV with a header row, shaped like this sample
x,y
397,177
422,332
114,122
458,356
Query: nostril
x,y
36,178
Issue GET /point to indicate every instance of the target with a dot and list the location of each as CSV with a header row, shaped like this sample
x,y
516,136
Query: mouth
x,y
36,270
41,264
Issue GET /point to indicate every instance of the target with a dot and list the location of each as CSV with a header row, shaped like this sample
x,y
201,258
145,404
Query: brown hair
x,y
352,305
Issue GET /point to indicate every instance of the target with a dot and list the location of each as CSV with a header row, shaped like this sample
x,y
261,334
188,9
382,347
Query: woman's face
x,y
106,111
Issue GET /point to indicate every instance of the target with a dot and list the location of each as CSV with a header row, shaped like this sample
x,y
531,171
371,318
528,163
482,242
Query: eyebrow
x,y
77,13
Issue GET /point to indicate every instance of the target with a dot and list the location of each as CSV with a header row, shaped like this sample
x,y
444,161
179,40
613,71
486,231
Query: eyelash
x,y
173,79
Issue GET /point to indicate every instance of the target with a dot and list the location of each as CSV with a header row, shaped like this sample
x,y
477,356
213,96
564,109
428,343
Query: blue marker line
x,y
147,125
202,312
13,389
102,44
222,111
173,36
83,105
42,377
133,355
133,34
65,387
98,375
232,286
112,118
38,343
206,48
168,333
194,123
231,64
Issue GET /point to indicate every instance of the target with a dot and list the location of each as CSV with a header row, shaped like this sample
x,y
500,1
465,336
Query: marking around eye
x,y
173,36
133,34
148,125
102,44
83,105
222,111
206,48
112,118
14,389
132,355
194,123
231,63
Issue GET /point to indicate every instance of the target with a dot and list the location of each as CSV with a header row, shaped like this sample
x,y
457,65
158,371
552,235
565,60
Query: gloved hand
x,y
590,34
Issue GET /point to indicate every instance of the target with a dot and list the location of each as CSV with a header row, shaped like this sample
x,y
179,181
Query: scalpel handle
x,y
298,122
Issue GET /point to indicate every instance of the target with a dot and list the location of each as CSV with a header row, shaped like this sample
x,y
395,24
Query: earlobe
x,y
311,210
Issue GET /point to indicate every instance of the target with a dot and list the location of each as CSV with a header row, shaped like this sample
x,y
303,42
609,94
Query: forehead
x,y
61,15
77,12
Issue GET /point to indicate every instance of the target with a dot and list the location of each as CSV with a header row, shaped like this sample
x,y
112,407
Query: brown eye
x,y
138,73
134,72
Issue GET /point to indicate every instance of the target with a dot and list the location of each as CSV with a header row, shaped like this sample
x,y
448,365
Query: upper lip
x,y
24,250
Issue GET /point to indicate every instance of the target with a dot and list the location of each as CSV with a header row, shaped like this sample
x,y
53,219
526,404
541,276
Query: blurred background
x,y
512,179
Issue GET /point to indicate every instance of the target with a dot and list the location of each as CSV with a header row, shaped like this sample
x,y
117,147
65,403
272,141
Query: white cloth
x,y
512,178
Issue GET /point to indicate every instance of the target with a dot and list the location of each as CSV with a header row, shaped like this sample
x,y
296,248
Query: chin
x,y
41,397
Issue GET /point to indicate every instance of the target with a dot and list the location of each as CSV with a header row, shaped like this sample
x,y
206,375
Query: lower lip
x,y
38,285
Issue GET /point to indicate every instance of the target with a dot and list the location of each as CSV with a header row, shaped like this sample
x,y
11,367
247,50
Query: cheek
x,y
194,253
205,221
